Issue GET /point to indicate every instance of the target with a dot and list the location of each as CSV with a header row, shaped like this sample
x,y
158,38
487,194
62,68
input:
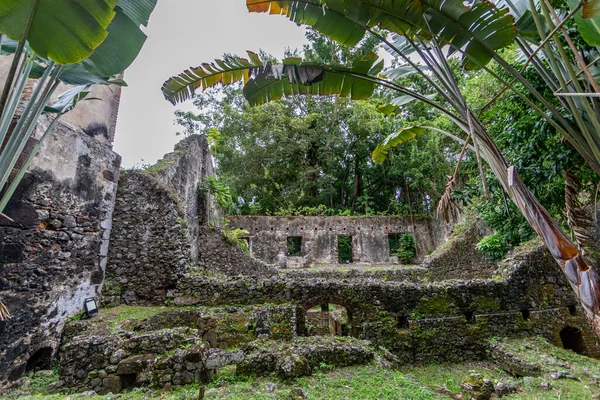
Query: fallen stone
x,y
504,388
477,387
292,366
297,393
135,364
217,358
43,373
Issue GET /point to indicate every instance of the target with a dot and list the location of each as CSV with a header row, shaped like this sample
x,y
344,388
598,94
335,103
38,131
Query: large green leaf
x,y
121,47
402,136
65,31
268,82
293,78
125,39
479,30
229,70
589,27
329,20
138,11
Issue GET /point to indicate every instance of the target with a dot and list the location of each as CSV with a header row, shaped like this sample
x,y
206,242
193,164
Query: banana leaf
x,y
65,31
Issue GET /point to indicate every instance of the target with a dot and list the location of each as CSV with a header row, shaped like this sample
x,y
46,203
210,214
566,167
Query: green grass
x,y
360,382
365,383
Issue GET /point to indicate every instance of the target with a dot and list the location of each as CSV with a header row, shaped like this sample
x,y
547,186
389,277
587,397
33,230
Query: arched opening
x,y
328,319
327,316
40,360
572,339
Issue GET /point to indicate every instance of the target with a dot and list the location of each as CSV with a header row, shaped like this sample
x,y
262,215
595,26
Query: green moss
x,y
435,306
485,304
161,165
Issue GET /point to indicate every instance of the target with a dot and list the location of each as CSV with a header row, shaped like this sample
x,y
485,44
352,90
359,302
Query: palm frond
x,y
4,313
229,70
579,220
266,82
480,29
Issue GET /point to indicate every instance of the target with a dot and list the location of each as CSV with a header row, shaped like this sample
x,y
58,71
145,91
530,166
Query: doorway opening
x,y
40,360
572,339
345,251
328,319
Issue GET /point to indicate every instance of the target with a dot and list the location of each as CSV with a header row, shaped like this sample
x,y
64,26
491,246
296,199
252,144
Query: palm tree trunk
x,y
581,275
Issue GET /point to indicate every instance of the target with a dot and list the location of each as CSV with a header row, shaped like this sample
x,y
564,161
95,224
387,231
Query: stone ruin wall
x,y
161,231
370,245
53,253
418,319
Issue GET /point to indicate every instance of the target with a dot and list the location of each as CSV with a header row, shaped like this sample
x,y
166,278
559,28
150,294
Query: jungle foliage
x,y
311,155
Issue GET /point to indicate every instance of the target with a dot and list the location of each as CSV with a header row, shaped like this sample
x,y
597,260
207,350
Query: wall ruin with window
x,y
272,237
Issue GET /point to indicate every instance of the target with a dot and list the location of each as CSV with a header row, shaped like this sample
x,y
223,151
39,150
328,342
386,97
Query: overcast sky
x,y
182,34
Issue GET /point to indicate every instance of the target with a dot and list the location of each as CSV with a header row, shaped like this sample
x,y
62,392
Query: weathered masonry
x,y
304,241
53,251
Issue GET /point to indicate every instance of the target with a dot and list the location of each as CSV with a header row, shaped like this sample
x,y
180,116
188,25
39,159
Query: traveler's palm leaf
x,y
478,31
266,82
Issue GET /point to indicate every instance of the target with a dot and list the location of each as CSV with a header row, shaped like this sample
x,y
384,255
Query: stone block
x,y
135,364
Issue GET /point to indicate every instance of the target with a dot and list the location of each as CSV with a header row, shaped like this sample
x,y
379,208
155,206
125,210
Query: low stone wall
x,y
53,252
268,238
452,319
458,258
172,347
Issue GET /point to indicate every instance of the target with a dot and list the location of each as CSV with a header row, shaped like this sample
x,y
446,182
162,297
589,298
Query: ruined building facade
x,y
81,228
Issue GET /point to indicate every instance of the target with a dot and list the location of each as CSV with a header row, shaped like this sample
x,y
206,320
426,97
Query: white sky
x,y
182,34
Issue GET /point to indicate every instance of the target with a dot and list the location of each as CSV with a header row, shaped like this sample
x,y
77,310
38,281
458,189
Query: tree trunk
x,y
583,278
357,183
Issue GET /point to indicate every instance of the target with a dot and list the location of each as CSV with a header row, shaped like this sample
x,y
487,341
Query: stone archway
x,y
40,360
337,322
572,339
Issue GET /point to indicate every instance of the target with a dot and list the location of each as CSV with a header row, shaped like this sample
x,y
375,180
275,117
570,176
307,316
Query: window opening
x,y
294,246
345,250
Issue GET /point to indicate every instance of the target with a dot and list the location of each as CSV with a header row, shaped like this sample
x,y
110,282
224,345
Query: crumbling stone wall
x,y
161,229
174,347
459,258
445,320
268,238
149,249
53,252
182,171
217,255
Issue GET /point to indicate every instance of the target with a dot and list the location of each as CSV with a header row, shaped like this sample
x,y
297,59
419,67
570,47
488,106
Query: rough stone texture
x,y
530,296
268,238
531,357
458,258
54,252
298,358
172,347
161,229
149,249
181,172
217,255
